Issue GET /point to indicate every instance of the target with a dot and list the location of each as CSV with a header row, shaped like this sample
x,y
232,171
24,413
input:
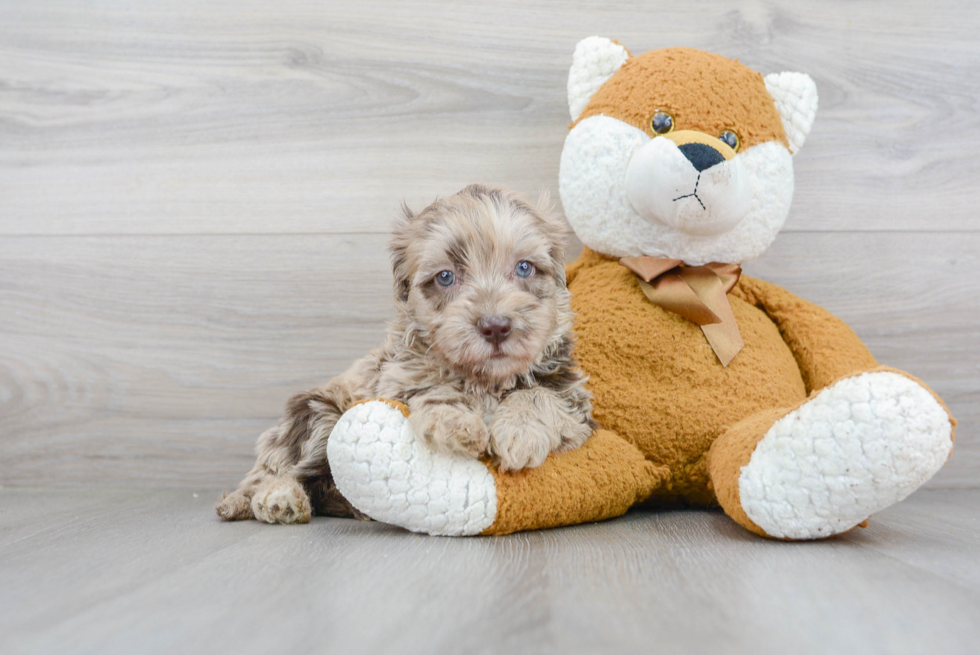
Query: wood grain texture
x,y
159,359
120,571
193,198
251,116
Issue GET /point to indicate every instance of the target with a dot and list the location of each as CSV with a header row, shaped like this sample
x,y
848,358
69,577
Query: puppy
x,y
480,351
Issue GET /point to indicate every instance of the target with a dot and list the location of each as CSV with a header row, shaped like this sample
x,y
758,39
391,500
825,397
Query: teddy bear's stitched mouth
x,y
693,194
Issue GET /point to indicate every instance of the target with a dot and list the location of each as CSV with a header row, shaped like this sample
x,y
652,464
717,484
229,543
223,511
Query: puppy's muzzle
x,y
495,329
690,181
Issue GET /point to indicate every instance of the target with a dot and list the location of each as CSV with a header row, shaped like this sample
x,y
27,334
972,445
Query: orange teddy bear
x,y
710,387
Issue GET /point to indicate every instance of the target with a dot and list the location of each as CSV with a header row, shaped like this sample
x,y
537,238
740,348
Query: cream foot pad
x,y
857,447
384,471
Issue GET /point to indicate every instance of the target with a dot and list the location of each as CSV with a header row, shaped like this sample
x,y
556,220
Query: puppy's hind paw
x,y
234,507
281,500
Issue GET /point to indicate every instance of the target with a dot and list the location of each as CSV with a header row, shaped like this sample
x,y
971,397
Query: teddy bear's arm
x,y
825,348
387,473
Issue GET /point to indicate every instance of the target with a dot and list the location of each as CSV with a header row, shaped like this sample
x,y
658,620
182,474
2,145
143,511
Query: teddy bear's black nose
x,y
701,156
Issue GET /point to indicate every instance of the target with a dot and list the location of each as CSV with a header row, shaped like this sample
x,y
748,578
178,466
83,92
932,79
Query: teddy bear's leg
x,y
852,449
384,471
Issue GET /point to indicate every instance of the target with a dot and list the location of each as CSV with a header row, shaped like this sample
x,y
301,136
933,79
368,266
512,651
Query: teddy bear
x,y
710,388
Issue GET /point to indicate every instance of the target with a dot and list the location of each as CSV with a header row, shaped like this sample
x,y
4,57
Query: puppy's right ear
x,y
401,237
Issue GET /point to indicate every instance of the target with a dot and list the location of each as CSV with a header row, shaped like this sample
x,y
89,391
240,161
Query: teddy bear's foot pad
x,y
384,471
858,446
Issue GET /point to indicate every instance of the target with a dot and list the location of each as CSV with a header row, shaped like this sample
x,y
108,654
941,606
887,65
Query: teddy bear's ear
x,y
795,95
594,61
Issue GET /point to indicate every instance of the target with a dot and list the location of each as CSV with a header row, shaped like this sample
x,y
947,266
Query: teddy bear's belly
x,y
657,382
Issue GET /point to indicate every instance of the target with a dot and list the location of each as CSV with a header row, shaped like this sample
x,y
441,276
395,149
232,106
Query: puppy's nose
x,y
494,329
701,156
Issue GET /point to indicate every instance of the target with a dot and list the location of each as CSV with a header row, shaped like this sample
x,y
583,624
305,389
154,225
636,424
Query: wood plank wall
x,y
194,196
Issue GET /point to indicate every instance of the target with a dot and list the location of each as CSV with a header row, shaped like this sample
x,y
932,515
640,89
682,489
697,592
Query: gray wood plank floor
x,y
123,571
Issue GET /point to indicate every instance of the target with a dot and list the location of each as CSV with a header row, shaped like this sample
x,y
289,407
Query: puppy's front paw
x,y
520,440
451,429
281,500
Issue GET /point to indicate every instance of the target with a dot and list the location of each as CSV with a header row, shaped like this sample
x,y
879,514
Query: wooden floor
x,y
120,571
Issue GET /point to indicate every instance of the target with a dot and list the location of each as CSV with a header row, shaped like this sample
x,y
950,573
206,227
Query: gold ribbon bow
x,y
698,293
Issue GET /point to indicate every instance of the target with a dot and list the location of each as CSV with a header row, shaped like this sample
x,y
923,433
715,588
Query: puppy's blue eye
x,y
446,278
524,269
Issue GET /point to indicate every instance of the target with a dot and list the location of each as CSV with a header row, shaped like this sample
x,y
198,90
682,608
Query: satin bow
x,y
698,293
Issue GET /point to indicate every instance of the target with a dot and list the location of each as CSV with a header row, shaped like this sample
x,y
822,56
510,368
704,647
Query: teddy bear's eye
x,y
661,122
445,278
730,138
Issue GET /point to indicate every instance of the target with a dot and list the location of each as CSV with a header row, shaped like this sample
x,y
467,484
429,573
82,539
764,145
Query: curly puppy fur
x,y
484,363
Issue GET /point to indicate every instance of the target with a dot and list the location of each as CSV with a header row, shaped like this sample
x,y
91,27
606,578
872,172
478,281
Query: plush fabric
x,y
801,436
795,96
822,467
824,346
382,469
387,473
701,90
594,183
594,61
600,480
655,379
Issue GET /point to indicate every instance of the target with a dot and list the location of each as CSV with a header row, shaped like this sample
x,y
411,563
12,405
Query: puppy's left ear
x,y
558,233
401,237
795,95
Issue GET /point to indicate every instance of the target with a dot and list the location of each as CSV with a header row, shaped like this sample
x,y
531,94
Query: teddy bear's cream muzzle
x,y
689,181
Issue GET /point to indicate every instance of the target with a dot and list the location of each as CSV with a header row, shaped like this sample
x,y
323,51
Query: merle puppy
x,y
480,351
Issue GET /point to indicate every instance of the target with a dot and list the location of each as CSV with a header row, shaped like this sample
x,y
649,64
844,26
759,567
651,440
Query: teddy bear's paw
x,y
858,446
386,472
